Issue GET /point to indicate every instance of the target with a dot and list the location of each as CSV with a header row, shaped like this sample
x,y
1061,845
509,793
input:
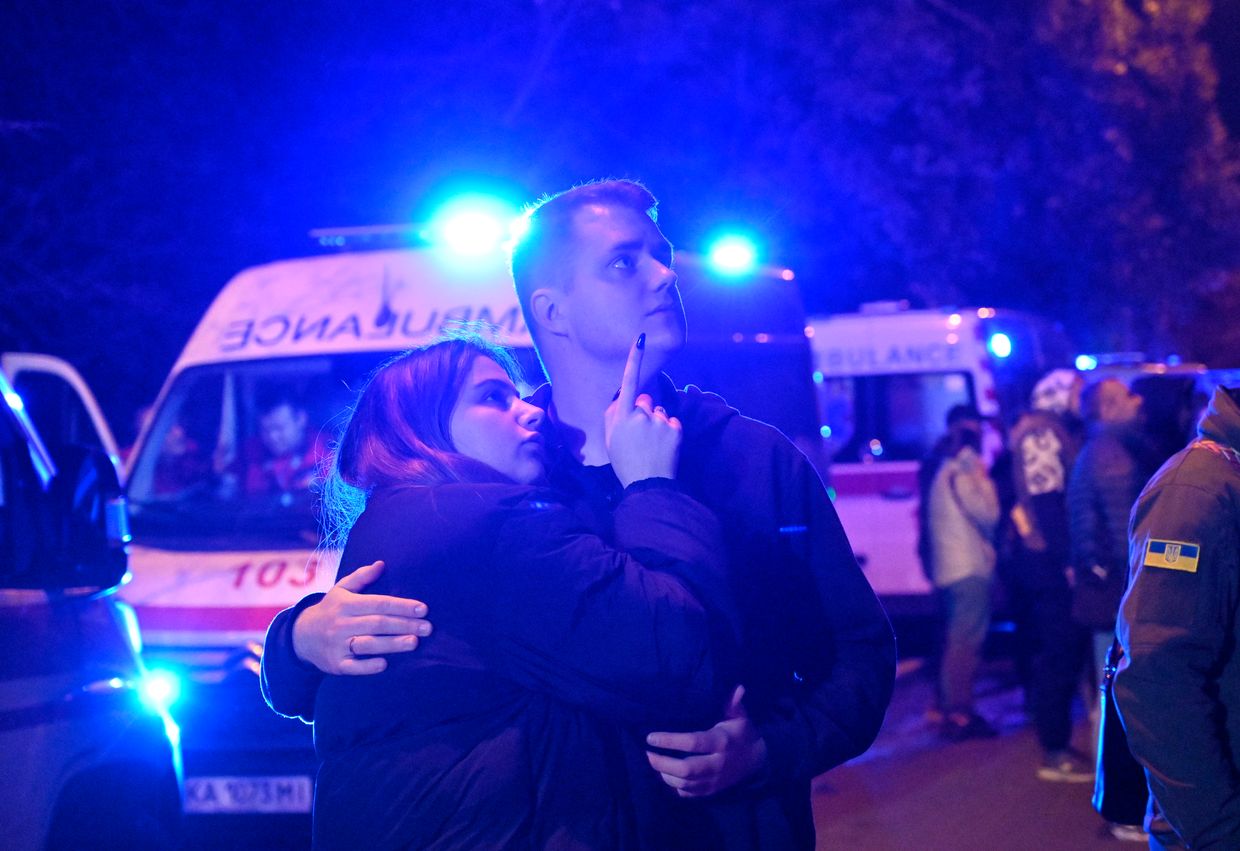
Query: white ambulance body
x,y
313,327
211,566
886,378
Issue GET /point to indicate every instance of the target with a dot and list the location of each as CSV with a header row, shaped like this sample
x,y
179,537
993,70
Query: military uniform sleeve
x,y
588,623
837,706
289,685
1175,627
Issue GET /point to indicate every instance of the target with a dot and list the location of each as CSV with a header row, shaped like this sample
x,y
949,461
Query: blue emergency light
x,y
160,688
733,255
474,225
1000,345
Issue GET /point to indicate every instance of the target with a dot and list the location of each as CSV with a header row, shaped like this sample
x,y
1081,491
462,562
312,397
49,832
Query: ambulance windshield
x,y
236,454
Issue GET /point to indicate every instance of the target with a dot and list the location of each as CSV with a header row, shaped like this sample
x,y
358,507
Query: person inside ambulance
x,y
182,465
1178,686
283,459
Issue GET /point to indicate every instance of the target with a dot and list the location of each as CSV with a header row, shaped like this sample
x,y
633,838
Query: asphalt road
x,y
912,790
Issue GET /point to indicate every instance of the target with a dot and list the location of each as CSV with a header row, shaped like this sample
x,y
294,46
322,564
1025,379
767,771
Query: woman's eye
x,y
622,262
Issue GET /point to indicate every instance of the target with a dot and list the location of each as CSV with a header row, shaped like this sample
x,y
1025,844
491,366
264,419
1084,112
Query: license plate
x,y
248,794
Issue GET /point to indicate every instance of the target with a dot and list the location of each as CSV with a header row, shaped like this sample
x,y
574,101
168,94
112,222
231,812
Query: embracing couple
x,y
649,628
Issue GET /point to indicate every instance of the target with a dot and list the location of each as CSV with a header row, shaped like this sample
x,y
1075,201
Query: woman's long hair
x,y
397,432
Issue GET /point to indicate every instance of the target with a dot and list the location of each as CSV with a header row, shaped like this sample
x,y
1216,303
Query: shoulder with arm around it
x,y
446,509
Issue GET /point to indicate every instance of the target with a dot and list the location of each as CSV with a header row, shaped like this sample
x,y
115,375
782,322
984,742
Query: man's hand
x,y
643,442
332,634
722,756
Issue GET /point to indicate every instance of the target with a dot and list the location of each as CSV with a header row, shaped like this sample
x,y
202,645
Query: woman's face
x,y
490,423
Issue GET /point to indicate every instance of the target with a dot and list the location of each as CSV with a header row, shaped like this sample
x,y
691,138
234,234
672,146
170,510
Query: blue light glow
x,y
474,225
1084,363
1000,345
160,688
733,255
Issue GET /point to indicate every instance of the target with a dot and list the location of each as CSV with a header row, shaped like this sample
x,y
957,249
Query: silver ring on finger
x,y
352,652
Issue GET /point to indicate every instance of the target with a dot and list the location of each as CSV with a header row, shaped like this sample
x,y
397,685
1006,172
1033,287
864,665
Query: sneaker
x,y
1064,767
958,726
1128,832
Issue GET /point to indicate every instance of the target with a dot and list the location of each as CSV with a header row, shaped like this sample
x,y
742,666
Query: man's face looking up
x,y
618,282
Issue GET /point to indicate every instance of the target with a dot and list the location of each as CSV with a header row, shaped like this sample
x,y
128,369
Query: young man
x,y
818,656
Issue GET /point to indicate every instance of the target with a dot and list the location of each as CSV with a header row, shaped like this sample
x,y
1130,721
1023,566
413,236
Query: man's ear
x,y
547,310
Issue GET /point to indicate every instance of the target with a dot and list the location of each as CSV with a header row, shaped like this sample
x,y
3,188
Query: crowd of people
x,y
649,629
1065,507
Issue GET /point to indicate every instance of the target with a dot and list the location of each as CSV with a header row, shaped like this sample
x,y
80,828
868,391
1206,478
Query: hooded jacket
x,y
494,733
964,511
1178,686
817,654
1044,447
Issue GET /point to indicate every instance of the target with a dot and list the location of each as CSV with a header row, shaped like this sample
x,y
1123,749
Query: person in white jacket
x,y
963,513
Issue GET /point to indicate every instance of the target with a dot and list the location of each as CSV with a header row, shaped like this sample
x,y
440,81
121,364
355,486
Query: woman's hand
x,y
643,442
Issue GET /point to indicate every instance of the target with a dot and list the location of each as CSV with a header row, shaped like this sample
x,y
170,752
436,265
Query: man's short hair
x,y
539,252
277,396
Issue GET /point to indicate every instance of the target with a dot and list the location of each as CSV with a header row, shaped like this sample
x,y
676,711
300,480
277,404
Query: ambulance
x,y
886,377
215,558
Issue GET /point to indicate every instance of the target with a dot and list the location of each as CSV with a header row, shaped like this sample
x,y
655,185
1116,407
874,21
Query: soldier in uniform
x,y
1178,686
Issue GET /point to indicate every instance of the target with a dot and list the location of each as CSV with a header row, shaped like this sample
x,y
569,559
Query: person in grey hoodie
x,y
963,514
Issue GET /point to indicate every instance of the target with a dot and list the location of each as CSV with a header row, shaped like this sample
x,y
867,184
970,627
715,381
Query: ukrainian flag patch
x,y
1172,555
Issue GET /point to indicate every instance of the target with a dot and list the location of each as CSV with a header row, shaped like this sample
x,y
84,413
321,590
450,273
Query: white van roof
x,y
363,301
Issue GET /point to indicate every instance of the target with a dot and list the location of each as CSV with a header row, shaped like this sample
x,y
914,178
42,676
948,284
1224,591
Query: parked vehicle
x,y
222,542
89,762
886,378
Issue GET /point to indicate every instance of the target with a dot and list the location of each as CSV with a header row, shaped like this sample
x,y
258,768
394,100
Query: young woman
x,y
504,729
